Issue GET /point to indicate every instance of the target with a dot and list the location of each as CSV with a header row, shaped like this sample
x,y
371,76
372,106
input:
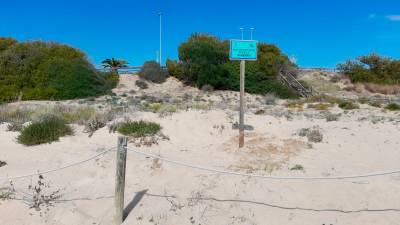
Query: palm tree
x,y
114,64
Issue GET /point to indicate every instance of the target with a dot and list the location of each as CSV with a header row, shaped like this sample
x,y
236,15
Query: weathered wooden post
x,y
120,179
242,50
241,111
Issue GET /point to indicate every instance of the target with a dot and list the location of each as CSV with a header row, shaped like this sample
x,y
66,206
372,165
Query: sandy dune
x,y
162,193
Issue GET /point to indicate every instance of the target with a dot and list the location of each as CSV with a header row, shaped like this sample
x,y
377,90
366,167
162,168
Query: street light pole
x,y
251,33
160,52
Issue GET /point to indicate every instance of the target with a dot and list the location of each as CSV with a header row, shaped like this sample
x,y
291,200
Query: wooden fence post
x,y
120,180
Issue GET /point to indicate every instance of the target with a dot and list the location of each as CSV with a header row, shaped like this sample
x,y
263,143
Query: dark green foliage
x,y
46,130
41,70
139,129
175,69
112,79
393,107
6,43
348,105
204,60
372,69
152,71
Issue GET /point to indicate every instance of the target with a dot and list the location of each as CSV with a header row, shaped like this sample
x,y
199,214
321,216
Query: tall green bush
x,y
372,69
204,60
153,72
45,70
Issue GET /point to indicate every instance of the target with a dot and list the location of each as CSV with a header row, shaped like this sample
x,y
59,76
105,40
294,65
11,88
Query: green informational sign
x,y
243,50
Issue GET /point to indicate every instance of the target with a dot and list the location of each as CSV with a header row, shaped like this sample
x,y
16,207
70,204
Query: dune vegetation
x,y
37,70
204,60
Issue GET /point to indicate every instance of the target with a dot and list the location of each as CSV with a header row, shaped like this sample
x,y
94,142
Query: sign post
x,y
242,50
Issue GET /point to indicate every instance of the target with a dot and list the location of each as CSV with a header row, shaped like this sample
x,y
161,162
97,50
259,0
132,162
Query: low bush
x,y
96,122
348,105
393,107
375,104
47,129
152,71
297,167
312,134
372,69
139,128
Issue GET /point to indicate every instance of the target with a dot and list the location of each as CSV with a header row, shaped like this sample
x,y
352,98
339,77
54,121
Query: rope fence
x,y
202,168
60,168
122,150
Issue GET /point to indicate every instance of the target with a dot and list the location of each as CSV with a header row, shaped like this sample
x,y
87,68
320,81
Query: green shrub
x,y
47,129
6,43
43,70
297,167
372,69
393,107
139,129
348,105
204,60
152,71
375,104
112,79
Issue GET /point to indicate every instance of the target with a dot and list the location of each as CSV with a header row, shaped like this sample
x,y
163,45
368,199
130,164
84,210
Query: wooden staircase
x,y
290,80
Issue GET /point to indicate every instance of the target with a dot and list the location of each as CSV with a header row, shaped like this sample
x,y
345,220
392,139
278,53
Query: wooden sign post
x,y
120,180
242,50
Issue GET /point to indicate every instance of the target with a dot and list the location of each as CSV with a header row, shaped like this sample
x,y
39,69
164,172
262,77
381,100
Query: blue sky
x,y
317,33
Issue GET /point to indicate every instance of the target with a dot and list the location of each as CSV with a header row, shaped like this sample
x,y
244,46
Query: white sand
x,y
177,195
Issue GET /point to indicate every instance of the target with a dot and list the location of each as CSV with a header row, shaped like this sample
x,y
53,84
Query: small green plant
x,y
375,104
348,105
322,106
139,128
142,84
95,123
7,192
393,107
42,196
47,129
313,135
297,167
